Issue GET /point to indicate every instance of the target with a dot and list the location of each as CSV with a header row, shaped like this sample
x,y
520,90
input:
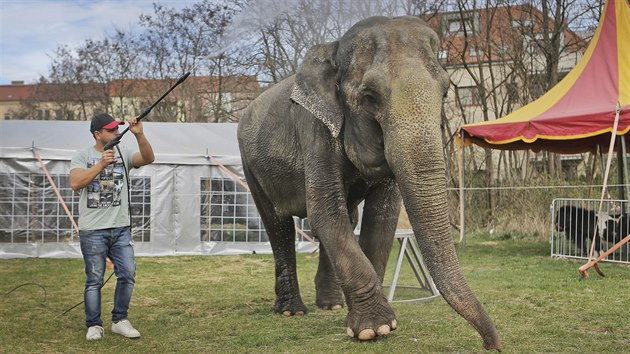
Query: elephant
x,y
360,121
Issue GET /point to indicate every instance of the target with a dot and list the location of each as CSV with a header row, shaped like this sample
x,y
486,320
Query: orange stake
x,y
593,263
108,263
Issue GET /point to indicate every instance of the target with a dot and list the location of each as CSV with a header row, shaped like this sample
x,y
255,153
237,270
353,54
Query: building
x,y
504,52
200,99
500,59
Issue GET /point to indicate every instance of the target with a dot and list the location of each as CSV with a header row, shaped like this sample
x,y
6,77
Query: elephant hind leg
x,y
281,232
328,291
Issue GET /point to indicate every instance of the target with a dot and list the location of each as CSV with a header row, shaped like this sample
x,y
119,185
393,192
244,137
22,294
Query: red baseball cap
x,y
104,121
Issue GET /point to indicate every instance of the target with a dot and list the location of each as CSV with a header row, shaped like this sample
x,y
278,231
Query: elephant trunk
x,y
416,158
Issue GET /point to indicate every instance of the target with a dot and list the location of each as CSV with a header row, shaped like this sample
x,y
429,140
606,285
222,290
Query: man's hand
x,y
135,126
107,157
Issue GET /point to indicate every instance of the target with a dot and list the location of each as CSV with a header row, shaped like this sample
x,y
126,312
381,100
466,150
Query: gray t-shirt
x,y
103,203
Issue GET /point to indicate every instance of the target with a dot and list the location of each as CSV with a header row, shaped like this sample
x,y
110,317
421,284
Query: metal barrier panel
x,y
577,223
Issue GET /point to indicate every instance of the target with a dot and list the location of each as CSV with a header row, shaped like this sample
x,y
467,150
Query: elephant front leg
x,y
369,313
378,227
328,292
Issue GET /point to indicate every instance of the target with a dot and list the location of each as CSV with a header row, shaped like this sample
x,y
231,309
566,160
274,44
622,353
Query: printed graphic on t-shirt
x,y
106,189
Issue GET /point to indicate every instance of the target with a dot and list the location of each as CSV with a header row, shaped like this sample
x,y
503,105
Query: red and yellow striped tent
x,y
578,113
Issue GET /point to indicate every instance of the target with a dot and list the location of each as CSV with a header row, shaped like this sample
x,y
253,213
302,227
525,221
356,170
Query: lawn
x,y
223,304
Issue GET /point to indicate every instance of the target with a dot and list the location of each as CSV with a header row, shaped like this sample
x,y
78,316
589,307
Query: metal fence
x,y
577,223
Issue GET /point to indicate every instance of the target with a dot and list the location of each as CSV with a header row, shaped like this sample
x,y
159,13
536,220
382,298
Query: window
x,y
474,52
522,23
468,95
503,49
457,25
228,213
140,193
443,54
454,26
30,211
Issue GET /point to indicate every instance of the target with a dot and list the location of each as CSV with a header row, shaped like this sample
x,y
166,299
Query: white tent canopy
x,y
176,203
173,143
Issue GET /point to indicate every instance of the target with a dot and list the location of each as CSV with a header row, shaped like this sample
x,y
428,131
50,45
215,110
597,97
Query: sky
x,y
31,30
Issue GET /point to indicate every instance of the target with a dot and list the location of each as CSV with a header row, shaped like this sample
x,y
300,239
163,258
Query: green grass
x,y
224,304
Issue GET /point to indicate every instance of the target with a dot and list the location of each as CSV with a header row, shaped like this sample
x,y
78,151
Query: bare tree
x,y
191,40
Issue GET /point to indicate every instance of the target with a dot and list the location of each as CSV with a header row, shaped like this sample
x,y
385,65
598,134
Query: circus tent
x,y
578,114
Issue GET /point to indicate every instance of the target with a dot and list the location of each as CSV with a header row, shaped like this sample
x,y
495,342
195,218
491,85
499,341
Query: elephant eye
x,y
369,97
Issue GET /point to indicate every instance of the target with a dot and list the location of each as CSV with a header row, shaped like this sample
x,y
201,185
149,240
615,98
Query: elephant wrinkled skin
x,y
360,121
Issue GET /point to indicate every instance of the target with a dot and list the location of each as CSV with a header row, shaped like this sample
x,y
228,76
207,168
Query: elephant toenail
x,y
367,334
337,307
349,332
287,313
394,324
383,330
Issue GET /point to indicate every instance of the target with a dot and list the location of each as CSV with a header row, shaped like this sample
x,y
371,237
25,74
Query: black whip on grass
x,y
44,303
68,310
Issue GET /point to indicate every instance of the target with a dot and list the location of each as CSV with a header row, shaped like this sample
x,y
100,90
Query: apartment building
x,y
499,58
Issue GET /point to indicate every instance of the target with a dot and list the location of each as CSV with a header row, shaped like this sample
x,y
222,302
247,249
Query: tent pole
x,y
462,215
624,171
620,166
602,164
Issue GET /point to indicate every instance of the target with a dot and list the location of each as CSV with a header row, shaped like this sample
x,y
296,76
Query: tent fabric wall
x,y
181,151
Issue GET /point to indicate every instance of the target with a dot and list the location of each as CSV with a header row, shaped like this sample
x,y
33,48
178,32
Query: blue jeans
x,y
115,243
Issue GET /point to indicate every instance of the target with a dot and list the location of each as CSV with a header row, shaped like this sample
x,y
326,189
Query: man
x,y
104,219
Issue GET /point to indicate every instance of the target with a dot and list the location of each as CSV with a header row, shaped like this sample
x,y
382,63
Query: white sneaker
x,y
124,328
94,333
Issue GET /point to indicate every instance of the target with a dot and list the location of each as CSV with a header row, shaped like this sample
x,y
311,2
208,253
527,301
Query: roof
x,y
15,92
578,113
173,143
124,88
154,87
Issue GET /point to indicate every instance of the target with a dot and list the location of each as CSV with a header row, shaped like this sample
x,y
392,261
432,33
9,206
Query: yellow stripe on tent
x,y
623,46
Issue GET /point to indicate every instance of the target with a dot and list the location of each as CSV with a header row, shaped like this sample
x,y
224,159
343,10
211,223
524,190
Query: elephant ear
x,y
315,86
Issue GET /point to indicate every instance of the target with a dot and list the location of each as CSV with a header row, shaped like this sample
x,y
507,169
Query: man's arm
x,y
81,177
145,155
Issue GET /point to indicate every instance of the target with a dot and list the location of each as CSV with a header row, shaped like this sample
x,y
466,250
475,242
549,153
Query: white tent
x,y
177,202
